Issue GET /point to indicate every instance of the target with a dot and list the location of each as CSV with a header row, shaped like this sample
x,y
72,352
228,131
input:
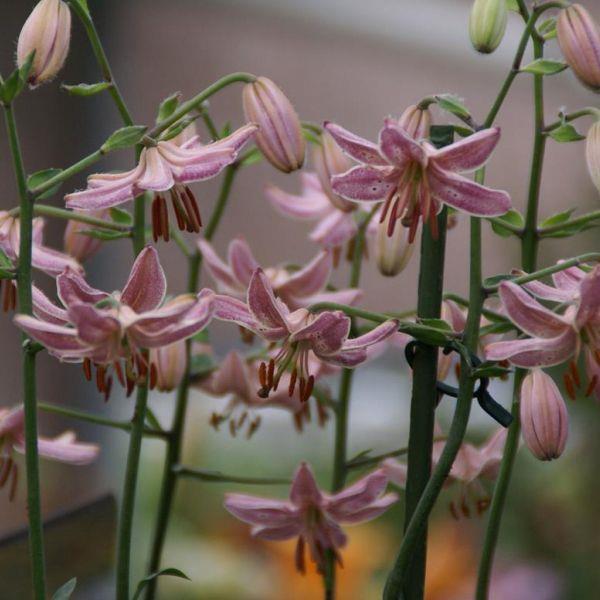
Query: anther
x,y
107,389
87,369
100,383
575,373
119,372
292,385
270,374
569,386
262,375
591,386
309,388
153,376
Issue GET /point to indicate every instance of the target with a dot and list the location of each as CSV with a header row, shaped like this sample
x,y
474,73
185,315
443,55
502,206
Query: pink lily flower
x,y
554,338
313,516
64,448
237,379
472,466
165,167
335,226
414,179
299,331
103,328
296,288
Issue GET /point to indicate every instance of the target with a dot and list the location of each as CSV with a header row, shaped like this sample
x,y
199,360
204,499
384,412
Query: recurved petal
x,y
357,496
12,420
64,448
334,230
358,148
305,491
260,511
310,279
62,341
52,262
219,270
94,327
469,153
364,184
377,334
528,314
569,279
242,262
395,471
534,352
350,296
146,286
589,299
371,511
327,332
282,532
267,310
548,292
399,147
157,175
73,288
45,309
311,204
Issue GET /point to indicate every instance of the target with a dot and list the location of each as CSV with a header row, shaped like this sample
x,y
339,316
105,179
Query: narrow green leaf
x,y
252,158
40,177
168,106
64,591
490,371
124,138
176,129
226,130
5,262
86,89
545,66
310,136
566,133
496,279
512,5
453,104
557,218
120,216
512,217
436,324
152,419
104,235
171,572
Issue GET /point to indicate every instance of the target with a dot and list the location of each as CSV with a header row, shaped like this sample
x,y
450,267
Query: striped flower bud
x,y
329,160
487,24
280,136
47,31
392,252
416,121
592,153
544,417
579,40
78,244
169,363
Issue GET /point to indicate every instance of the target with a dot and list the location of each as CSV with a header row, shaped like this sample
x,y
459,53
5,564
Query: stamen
x,y
178,210
153,375
156,224
87,369
464,507
298,425
254,425
189,205
232,430
337,252
270,373
100,383
194,205
292,385
322,414
246,335
299,556
262,375
309,388
242,419
482,505
119,372
164,219
5,472
569,386
597,356
107,389
350,249
591,386
575,373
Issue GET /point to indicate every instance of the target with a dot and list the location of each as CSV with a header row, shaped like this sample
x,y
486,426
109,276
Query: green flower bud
x,y
487,24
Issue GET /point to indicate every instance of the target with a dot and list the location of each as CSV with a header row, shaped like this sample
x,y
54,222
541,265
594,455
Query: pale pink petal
x,y
348,296
326,333
491,454
589,299
207,168
62,341
334,230
262,302
569,279
64,448
466,195
548,292
346,358
146,286
365,184
377,334
219,270
399,147
45,309
528,314
94,327
358,148
52,262
311,204
275,534
395,471
469,153
310,279
157,175
372,511
260,511
357,496
534,352
73,288
242,262
12,421
305,491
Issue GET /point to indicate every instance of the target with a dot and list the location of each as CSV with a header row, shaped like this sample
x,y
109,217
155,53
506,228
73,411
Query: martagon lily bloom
x,y
64,448
299,332
103,328
311,515
297,289
472,466
414,179
237,379
555,338
164,168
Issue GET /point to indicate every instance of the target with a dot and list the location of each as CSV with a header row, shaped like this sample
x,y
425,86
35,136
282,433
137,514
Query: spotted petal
x,y
467,154
327,332
358,148
267,310
260,511
73,288
310,279
365,184
242,262
589,300
219,270
146,286
399,147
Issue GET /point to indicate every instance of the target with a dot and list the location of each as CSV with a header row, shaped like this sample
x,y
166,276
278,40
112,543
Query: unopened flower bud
x,y
47,31
78,244
329,160
392,252
579,39
416,121
170,364
280,136
487,24
592,153
544,418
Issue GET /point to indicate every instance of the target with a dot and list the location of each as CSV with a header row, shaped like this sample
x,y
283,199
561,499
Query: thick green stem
x,y
529,248
36,534
218,477
175,440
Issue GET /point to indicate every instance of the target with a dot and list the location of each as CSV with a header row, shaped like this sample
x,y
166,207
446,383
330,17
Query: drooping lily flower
x,y
414,179
555,338
105,328
164,168
237,379
472,466
299,331
64,448
311,515
297,289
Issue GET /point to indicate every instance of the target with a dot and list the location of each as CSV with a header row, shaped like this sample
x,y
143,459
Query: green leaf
x,y
64,591
512,5
5,262
86,89
40,177
453,104
226,130
311,137
171,572
428,335
436,324
122,217
13,85
548,28
512,217
168,106
202,337
176,129
496,279
104,235
490,370
253,157
83,4
498,328
124,138
152,420
544,66
557,218
566,133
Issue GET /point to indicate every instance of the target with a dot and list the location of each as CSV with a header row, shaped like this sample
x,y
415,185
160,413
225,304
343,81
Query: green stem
x,y
528,260
36,534
416,526
60,213
173,454
90,29
217,476
198,99
370,461
97,420
581,220
589,111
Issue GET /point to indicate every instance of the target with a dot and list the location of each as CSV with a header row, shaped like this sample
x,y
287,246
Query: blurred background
x,y
354,63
